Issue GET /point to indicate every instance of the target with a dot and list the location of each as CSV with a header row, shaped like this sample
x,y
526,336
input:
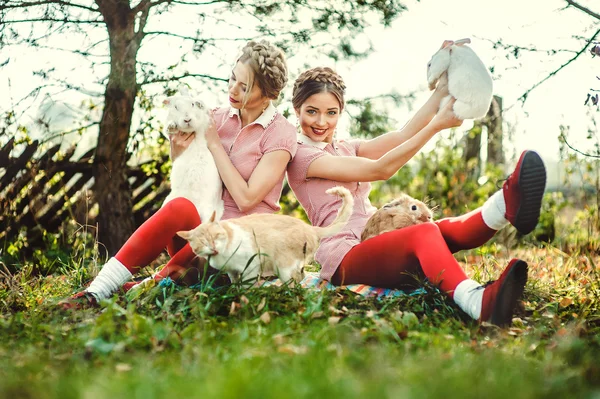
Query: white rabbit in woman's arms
x,y
194,174
469,81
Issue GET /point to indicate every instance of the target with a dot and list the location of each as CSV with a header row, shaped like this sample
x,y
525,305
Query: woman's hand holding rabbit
x,y
212,137
179,142
446,118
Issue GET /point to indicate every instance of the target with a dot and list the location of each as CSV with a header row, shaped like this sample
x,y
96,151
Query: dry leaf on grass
x,y
566,301
293,349
121,367
262,303
265,318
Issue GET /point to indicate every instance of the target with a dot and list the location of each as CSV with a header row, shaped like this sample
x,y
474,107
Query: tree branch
x,y
188,75
143,18
194,3
60,134
523,98
78,52
65,20
195,39
498,43
44,2
144,4
564,138
584,9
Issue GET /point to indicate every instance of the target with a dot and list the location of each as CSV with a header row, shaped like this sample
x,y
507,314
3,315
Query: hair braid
x,y
316,80
268,64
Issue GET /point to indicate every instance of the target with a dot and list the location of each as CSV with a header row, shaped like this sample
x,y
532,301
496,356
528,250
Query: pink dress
x,y
246,146
322,208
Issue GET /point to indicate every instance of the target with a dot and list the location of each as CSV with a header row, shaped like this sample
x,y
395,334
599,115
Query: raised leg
x,y
393,259
518,203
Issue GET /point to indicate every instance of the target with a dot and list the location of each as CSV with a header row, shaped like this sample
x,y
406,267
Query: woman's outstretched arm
x,y
353,169
377,147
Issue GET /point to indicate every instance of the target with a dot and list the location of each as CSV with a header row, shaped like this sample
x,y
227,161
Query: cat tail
x,y
343,215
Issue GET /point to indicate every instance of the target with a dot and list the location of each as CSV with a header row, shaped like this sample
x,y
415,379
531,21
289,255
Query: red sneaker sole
x,y
509,293
532,183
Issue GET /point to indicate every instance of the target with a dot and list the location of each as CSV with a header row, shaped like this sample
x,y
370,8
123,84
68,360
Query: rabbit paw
x,y
172,128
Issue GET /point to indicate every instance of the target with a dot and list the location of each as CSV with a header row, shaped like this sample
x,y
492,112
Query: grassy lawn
x,y
274,342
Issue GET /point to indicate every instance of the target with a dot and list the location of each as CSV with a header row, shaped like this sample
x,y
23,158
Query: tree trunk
x,y
111,188
493,120
473,142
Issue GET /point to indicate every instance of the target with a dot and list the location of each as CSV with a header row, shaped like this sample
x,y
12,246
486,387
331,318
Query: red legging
x,y
391,259
158,233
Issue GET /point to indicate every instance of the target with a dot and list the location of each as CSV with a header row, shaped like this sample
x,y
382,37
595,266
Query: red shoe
x,y
523,192
81,300
129,285
500,297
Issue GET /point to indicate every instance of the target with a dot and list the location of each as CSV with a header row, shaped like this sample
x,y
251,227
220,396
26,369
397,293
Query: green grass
x,y
275,342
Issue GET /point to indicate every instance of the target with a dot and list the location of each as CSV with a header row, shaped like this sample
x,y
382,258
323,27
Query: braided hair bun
x,y
268,65
318,80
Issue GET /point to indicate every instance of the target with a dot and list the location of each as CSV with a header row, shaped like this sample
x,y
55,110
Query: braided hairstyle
x,y
318,80
268,65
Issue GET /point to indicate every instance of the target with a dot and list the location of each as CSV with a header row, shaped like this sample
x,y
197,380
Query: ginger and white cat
x,y
194,174
265,244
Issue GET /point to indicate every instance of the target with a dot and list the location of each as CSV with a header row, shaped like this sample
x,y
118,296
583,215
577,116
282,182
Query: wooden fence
x,y
41,190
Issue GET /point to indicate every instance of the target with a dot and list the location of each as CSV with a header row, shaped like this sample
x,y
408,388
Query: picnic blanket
x,y
313,281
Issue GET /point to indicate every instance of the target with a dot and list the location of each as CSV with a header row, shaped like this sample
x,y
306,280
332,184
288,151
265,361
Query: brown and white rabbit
x,y
402,212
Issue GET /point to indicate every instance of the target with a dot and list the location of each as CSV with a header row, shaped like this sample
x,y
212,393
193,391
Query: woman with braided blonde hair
x,y
251,142
390,259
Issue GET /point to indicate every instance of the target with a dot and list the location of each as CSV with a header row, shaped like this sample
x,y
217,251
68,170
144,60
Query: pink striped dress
x,y
246,146
322,208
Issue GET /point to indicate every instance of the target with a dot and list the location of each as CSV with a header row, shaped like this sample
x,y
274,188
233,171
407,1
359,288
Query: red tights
x,y
158,233
391,260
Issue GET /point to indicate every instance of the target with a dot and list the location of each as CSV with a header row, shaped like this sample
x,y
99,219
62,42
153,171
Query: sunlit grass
x,y
274,342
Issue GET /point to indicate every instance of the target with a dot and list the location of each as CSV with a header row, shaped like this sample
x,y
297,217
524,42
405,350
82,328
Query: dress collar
x,y
304,139
264,119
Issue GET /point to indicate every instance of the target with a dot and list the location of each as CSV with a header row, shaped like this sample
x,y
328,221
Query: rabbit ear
x,y
183,90
447,43
462,41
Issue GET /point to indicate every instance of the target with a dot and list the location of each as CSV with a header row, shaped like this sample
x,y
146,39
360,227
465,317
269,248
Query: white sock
x,y
112,276
468,295
493,211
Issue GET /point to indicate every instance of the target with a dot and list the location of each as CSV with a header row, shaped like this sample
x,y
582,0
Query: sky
x,y
399,63
403,51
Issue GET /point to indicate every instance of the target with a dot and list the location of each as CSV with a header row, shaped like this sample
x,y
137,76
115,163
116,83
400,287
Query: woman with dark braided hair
x,y
251,142
391,259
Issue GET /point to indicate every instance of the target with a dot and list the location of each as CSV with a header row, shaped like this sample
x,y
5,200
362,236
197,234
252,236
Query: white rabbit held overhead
x,y
194,174
469,81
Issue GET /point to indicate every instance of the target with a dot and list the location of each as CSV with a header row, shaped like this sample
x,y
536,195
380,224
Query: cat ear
x,y
186,235
212,218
